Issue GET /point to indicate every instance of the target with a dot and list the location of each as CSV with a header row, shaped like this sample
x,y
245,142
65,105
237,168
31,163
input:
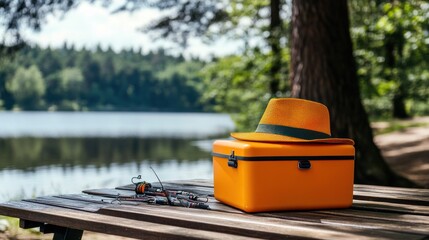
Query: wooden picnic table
x,y
377,213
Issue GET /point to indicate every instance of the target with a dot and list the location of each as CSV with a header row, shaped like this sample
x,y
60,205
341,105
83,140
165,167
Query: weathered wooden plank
x,y
246,225
394,194
383,189
174,216
108,192
252,225
358,221
105,223
391,197
196,219
96,199
194,182
390,207
67,203
404,195
384,216
128,187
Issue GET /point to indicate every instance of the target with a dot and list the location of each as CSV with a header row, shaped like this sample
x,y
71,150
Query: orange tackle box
x,y
290,162
257,176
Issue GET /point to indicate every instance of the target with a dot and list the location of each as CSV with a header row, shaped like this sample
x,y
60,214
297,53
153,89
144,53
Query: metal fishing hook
x,y
138,177
112,201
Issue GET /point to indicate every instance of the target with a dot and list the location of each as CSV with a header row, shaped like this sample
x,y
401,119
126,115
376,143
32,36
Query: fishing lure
x,y
140,187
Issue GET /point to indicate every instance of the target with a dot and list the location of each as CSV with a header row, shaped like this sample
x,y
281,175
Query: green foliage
x,y
240,85
73,80
392,44
391,48
69,85
27,87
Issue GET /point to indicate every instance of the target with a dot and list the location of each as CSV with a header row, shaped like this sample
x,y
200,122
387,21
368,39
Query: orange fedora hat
x,y
293,120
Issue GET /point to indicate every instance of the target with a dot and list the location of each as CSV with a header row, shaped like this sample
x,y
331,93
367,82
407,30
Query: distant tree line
x,y
74,80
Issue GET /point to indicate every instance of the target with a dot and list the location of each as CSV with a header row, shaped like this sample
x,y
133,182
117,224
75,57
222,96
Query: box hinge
x,y
232,160
304,164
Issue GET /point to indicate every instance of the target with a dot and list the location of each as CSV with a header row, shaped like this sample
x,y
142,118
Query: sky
x,y
89,25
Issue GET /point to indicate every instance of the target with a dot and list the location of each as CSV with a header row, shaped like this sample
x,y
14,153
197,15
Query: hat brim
x,y
269,137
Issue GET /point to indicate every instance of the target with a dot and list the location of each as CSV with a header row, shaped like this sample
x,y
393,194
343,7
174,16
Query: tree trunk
x,y
323,69
394,47
399,110
274,42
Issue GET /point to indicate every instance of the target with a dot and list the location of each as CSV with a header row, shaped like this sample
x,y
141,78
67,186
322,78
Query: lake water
x,y
43,153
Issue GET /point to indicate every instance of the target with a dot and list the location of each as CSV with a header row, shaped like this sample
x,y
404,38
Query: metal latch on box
x,y
304,164
232,160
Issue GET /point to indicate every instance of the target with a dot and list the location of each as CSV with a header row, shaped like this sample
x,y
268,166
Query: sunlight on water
x,y
112,124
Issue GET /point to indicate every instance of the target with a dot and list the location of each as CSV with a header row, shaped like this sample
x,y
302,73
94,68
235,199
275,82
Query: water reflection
x,y
46,166
30,153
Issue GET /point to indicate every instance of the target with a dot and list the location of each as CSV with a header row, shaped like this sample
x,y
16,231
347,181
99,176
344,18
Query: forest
x,y
68,79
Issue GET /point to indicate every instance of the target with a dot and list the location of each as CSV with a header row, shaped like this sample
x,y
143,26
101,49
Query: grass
x,y
15,232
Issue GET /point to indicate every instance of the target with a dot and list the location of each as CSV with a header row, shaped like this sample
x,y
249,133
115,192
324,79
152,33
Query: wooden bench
x,y
377,213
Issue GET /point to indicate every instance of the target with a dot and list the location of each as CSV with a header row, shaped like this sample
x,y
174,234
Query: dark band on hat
x,y
291,132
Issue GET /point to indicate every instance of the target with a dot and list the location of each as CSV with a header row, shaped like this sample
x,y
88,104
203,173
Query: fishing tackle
x,y
146,193
189,204
125,200
162,187
140,187
189,196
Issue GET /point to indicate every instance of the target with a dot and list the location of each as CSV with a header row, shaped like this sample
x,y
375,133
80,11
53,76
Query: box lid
x,y
260,151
